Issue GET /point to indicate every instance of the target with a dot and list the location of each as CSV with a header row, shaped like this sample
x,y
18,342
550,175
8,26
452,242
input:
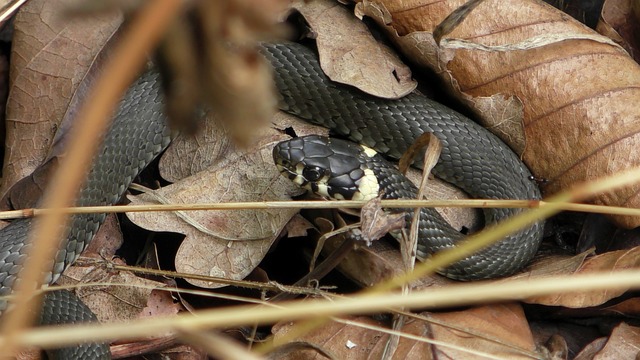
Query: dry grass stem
x,y
468,203
454,295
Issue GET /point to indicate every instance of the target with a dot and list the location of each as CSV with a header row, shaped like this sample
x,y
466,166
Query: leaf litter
x,y
194,167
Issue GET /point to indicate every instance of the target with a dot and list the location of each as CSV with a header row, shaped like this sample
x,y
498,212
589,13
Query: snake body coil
x,y
472,158
138,134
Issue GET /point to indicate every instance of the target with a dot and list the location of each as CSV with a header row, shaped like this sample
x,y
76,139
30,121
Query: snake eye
x,y
312,173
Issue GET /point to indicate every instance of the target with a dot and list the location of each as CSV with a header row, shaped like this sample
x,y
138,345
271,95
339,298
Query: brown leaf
x,y
629,307
521,62
353,342
107,240
590,351
109,302
548,265
190,154
236,240
611,261
474,330
376,223
504,322
624,343
620,23
51,55
28,191
349,54
160,303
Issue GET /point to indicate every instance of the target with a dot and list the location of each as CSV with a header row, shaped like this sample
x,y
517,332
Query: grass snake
x,y
472,159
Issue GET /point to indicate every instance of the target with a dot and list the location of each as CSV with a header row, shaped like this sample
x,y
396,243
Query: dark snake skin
x,y
472,158
138,134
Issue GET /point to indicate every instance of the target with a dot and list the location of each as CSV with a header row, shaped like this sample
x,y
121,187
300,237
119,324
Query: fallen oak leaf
x,y
107,301
44,78
243,236
495,329
362,62
191,153
110,301
345,340
476,329
619,22
622,344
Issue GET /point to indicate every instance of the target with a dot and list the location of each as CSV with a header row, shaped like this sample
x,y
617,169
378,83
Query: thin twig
x,y
404,203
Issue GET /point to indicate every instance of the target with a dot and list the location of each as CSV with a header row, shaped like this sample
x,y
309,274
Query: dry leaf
x,y
349,54
190,154
620,23
624,343
474,330
563,89
629,307
611,261
237,239
504,322
589,351
376,223
111,301
160,303
549,265
353,342
44,77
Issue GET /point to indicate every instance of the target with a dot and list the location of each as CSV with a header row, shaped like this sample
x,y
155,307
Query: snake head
x,y
331,168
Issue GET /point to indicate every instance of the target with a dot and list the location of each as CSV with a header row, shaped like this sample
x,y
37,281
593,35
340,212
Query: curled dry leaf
x,y
555,91
376,222
473,330
591,350
44,78
620,23
237,239
549,265
622,344
349,54
160,303
478,328
610,261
